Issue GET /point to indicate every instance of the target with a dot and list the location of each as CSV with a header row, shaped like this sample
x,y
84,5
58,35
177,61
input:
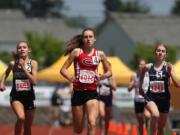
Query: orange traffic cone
x,y
119,129
145,131
173,133
125,129
112,127
134,130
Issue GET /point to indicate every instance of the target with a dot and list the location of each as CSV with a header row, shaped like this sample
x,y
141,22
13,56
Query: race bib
x,y
95,60
86,76
157,87
22,85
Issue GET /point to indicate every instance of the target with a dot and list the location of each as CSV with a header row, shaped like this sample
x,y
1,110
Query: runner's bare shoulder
x,y
148,66
101,54
76,52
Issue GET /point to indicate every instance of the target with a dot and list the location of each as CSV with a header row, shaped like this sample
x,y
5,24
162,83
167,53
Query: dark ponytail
x,y
75,42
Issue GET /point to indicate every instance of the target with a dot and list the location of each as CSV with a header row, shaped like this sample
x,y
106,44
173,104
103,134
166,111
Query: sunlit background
x,y
126,30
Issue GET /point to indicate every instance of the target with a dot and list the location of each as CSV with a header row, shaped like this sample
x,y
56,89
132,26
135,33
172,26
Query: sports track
x,y
42,130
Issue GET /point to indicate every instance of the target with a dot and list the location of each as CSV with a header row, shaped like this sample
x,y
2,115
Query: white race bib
x,y
157,86
87,76
22,85
95,60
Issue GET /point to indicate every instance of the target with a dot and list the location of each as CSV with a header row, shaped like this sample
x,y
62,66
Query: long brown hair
x,y
76,41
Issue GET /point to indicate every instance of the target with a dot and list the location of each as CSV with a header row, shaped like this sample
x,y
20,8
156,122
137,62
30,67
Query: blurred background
x,y
126,30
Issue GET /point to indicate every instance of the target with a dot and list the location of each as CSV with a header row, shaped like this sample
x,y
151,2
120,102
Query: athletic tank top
x,y
86,71
22,88
159,83
104,89
138,96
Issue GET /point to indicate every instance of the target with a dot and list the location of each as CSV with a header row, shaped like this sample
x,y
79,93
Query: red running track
x,y
41,130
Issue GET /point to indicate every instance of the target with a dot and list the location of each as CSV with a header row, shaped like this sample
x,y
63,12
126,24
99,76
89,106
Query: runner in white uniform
x,y
105,102
139,101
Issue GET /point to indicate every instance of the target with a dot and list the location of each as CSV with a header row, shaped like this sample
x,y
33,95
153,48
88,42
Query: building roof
x,y
150,29
13,26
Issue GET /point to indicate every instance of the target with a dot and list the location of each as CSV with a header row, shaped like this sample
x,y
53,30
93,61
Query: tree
x,y
176,8
6,4
42,8
112,5
147,52
126,7
5,57
45,49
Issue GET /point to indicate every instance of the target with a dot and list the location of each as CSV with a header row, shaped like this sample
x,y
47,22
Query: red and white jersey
x,y
86,71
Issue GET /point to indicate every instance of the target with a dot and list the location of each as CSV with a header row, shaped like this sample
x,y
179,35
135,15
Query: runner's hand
x,y
72,79
21,62
141,92
102,77
2,87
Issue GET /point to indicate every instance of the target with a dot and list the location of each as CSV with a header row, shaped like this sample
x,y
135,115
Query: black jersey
x,y
159,83
22,87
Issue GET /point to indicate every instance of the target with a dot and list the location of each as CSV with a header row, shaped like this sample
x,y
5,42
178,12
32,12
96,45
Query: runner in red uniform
x,y
86,70
86,60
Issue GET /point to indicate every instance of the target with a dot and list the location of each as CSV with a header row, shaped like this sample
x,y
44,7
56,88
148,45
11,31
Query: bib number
x,y
95,60
22,85
157,87
86,76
